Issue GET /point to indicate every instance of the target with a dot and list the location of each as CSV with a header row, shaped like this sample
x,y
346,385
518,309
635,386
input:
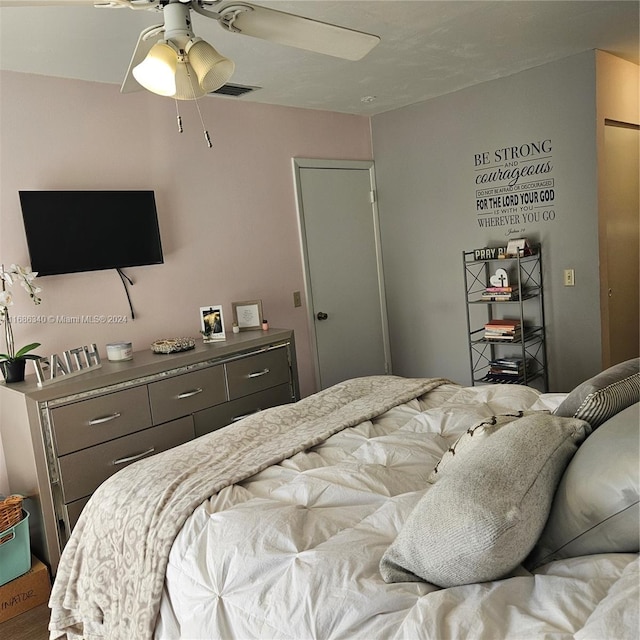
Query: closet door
x,y
343,269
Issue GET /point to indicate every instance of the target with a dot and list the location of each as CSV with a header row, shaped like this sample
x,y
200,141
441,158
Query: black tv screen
x,y
72,231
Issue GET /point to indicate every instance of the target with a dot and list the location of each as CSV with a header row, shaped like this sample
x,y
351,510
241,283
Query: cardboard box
x,y
27,591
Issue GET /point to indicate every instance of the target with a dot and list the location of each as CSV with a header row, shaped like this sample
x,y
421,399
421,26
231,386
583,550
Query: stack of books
x,y
502,330
500,294
507,370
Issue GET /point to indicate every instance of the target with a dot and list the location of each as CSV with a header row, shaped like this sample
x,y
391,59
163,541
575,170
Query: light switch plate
x,y
569,278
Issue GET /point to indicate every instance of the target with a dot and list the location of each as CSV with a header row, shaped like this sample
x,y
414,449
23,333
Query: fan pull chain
x,y
206,133
178,118
195,99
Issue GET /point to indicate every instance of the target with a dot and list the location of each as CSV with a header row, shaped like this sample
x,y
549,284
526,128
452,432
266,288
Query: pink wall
x,y
227,215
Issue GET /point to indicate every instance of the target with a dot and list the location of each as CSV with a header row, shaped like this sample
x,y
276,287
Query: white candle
x,y
119,351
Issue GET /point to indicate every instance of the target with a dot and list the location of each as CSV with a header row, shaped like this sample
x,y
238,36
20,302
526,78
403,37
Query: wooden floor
x,y
30,625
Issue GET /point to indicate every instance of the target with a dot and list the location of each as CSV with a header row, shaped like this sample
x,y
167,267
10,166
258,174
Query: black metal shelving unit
x,y
525,276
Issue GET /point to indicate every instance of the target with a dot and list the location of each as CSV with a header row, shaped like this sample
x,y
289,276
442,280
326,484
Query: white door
x,y
343,269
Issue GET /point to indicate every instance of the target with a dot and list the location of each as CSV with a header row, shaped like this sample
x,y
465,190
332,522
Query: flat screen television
x,y
72,231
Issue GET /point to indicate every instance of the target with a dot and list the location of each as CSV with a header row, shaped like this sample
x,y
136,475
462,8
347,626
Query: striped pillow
x,y
601,397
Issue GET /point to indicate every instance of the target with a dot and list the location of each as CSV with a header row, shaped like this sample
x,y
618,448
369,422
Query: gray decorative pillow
x,y
602,396
481,520
596,507
472,437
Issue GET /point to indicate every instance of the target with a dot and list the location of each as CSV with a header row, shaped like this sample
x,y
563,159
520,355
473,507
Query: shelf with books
x,y
493,379
509,369
489,295
522,374
531,333
505,318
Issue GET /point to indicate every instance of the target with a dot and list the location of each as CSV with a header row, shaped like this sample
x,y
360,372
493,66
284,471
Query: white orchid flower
x,y
24,272
25,277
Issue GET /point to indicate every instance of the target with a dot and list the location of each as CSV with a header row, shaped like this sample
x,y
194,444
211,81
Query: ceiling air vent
x,y
234,90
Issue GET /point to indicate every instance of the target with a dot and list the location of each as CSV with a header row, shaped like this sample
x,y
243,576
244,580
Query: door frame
x,y
316,163
603,244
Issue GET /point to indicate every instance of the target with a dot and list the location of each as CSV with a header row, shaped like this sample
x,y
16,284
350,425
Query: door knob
x,y
321,315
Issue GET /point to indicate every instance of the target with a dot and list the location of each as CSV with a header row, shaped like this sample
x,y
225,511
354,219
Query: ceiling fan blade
x,y
296,31
98,4
46,3
143,46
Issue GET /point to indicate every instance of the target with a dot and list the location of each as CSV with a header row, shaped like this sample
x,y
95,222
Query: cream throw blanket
x,y
111,575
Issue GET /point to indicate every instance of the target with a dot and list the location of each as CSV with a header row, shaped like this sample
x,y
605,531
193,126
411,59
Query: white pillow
x,y
481,519
596,507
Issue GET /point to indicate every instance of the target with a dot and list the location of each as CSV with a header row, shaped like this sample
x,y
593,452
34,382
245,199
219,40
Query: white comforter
x,y
293,552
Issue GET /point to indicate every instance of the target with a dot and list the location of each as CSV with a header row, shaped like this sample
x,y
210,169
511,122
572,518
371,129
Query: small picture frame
x,y
212,323
518,247
248,314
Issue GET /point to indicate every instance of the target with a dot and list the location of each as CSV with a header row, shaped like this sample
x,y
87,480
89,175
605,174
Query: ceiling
x,y
428,48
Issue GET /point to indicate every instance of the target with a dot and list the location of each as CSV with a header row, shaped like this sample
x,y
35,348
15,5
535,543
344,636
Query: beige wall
x,y
618,96
227,215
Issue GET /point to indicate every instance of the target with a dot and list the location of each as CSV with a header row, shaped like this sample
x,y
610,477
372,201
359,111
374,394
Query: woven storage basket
x,y
10,512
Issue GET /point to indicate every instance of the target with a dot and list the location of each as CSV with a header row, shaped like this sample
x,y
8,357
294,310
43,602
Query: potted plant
x,y
12,362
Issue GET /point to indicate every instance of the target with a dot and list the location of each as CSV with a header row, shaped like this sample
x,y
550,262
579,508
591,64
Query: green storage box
x,y
15,550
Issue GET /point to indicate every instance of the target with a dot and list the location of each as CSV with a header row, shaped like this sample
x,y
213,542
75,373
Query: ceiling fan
x,y
170,60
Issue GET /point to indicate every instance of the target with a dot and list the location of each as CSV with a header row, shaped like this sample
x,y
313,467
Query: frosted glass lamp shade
x,y
187,86
183,71
157,72
212,69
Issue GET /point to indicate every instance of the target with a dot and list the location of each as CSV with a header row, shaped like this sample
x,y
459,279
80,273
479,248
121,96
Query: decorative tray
x,y
171,345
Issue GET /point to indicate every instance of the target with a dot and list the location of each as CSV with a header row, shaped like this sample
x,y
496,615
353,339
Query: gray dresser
x,y
63,440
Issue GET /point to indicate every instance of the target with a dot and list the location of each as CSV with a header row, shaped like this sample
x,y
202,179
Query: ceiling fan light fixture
x,y
212,69
187,85
157,72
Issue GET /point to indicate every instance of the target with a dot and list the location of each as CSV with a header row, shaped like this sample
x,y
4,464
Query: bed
x,y
383,508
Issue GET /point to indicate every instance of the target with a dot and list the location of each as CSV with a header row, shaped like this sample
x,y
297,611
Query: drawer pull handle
x,y
246,415
257,374
136,456
188,394
103,419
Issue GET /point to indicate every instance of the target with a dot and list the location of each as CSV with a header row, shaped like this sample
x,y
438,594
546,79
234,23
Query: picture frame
x,y
518,247
212,323
248,314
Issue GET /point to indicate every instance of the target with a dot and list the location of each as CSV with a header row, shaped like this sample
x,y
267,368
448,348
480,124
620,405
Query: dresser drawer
x,y
74,510
225,414
83,471
186,393
89,422
254,373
